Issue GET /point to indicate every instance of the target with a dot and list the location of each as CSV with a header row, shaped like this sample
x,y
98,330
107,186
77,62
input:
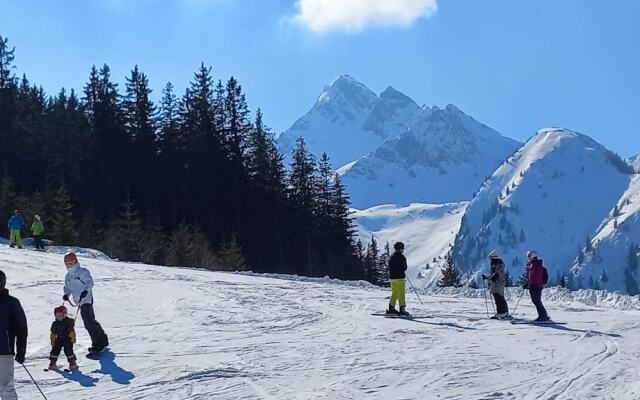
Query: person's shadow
x,y
77,376
108,366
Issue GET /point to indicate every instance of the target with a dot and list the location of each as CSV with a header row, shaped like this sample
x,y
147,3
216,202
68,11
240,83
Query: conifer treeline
x,y
193,180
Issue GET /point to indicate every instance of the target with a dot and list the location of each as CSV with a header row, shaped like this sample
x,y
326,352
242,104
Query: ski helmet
x,y
494,254
398,246
532,254
37,217
70,257
60,310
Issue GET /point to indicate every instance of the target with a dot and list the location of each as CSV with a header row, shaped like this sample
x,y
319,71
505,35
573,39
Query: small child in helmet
x,y
397,269
63,336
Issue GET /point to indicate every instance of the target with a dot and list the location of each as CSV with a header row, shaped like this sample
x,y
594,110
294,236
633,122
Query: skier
x,y
535,284
397,268
13,333
37,229
497,280
79,284
63,336
15,225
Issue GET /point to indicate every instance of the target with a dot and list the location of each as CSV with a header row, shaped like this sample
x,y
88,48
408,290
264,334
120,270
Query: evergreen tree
x,y
604,278
508,279
7,197
230,256
8,99
563,282
630,282
524,278
63,230
588,247
523,238
451,276
372,261
125,233
633,258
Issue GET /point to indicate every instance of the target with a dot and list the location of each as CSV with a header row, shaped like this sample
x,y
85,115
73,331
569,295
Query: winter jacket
x,y
15,222
13,325
535,274
397,266
79,279
63,331
498,277
37,228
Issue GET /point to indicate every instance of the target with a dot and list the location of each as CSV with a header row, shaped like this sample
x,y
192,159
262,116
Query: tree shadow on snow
x,y
586,332
77,376
108,366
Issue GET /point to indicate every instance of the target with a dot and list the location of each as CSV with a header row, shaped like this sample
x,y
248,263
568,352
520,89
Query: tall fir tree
x,y
63,230
451,276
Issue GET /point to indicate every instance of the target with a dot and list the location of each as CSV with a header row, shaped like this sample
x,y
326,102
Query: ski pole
x,y
493,306
484,291
415,291
34,381
518,302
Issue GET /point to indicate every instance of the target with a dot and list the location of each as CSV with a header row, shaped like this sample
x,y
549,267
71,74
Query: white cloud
x,y
355,15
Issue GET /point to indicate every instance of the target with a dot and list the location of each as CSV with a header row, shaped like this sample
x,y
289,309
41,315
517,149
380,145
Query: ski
x,y
532,322
402,316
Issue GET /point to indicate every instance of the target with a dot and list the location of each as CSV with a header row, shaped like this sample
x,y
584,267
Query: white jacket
x,y
79,279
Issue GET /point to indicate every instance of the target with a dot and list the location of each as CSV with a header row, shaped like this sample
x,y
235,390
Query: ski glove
x,y
83,294
53,338
65,297
525,286
72,336
20,358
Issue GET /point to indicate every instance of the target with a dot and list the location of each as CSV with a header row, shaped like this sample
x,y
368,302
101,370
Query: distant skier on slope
x,y
535,283
397,269
15,225
37,229
79,283
497,280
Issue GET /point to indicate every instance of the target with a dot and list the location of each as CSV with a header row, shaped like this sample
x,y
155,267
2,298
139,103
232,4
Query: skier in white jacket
x,y
79,284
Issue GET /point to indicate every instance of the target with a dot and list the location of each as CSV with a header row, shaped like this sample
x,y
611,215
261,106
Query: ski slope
x,y
191,334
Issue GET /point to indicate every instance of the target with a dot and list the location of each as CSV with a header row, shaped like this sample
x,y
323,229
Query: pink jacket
x,y
535,276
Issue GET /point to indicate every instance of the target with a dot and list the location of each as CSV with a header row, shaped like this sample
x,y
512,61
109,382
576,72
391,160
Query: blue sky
x,y
515,65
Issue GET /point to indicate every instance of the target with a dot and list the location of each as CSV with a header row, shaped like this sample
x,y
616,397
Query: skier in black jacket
x,y
13,328
397,268
63,336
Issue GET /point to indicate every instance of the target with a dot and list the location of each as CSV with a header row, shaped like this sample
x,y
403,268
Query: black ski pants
x,y
59,345
38,242
98,337
501,304
536,298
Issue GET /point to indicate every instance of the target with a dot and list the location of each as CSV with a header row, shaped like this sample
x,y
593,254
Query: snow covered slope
x,y
348,121
606,265
180,334
443,158
549,196
426,229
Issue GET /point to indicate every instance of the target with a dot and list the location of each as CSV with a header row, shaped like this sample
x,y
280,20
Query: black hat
x,y
398,246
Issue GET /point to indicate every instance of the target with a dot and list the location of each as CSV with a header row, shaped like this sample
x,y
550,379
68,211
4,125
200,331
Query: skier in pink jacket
x,y
535,284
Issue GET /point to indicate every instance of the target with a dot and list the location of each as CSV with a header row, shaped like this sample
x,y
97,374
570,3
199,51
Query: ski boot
x,y
52,364
392,310
73,365
403,312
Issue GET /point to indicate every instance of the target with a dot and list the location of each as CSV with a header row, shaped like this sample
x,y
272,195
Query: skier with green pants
x,y
15,224
397,269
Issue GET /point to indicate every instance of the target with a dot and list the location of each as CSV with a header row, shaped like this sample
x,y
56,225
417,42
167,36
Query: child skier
x,y
497,280
397,268
37,229
63,336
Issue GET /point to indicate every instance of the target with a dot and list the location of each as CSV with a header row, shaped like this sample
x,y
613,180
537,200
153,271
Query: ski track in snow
x,y
192,334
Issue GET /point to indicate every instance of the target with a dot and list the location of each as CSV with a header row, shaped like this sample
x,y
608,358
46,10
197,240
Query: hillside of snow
x,y
348,120
193,334
443,158
551,196
635,163
606,265
427,230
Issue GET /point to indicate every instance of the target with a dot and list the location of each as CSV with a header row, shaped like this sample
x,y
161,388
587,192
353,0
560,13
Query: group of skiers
x,y
536,279
78,285
15,225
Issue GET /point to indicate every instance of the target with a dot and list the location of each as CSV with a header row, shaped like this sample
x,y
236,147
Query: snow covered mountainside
x,y
551,195
180,334
635,163
348,121
443,158
426,229
606,263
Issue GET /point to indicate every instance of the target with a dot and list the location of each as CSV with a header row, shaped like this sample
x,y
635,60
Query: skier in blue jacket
x,y
15,226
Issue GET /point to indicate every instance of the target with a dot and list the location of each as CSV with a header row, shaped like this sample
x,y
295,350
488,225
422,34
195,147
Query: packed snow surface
x,y
193,334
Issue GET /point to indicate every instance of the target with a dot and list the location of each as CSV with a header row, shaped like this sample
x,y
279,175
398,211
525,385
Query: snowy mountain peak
x,y
348,92
635,163
550,195
391,94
